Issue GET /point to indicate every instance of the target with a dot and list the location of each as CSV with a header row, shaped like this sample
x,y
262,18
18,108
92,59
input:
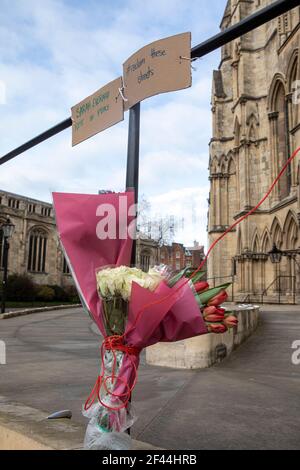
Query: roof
x,y
195,248
25,198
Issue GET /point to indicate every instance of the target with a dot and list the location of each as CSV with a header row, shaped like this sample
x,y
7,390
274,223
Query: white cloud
x,y
187,204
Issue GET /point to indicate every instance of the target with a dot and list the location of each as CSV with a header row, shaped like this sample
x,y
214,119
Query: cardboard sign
x,y
97,112
159,67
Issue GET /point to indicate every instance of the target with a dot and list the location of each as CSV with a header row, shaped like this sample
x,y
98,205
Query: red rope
x,y
114,343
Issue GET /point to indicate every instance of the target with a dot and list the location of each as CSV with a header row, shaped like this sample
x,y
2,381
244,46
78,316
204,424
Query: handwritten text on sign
x,y
159,67
97,112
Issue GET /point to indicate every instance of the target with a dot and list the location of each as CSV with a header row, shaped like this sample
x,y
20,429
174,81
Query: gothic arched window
x,y
280,137
66,269
291,232
233,202
223,197
255,244
282,148
293,85
37,250
276,233
266,244
293,107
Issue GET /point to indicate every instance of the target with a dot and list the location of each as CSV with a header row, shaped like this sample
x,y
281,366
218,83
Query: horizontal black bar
x,y
245,26
37,140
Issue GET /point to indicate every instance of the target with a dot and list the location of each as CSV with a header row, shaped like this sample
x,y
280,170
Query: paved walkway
x,y
251,400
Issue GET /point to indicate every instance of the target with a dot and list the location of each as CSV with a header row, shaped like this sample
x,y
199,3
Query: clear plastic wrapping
x,y
106,427
97,437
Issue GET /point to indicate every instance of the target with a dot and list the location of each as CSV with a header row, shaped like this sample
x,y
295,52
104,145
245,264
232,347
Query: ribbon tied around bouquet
x,y
113,343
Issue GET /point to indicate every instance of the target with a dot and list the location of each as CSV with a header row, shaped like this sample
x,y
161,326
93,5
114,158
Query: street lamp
x,y
7,231
275,257
275,254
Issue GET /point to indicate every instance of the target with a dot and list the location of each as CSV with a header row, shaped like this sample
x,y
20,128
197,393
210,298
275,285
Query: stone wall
x,y
204,351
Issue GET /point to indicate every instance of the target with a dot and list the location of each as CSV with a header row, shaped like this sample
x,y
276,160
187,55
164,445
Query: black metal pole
x,y
294,285
4,280
249,23
132,170
279,286
133,151
37,140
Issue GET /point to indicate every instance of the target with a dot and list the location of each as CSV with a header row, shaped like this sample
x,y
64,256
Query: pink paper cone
x,y
77,223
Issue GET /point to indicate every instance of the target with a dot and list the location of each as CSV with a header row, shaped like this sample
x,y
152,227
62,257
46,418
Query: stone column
x,y
273,118
218,200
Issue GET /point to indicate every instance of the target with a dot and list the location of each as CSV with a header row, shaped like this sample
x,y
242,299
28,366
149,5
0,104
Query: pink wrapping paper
x,y
175,317
77,221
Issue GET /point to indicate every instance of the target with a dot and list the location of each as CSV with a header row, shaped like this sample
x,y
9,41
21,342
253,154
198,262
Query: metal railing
x,y
278,294
281,292
247,299
278,289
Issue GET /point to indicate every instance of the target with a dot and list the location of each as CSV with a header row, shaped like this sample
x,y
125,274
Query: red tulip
x,y
231,321
217,328
220,310
213,310
209,310
201,286
219,298
214,317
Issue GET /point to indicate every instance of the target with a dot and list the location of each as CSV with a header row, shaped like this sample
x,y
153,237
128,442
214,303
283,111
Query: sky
x,y
54,53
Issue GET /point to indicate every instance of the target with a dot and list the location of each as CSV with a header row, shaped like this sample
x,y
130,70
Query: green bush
x,y
46,294
20,287
72,294
60,294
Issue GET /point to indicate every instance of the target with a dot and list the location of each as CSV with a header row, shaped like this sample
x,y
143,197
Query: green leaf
x,y
197,277
186,272
177,277
204,297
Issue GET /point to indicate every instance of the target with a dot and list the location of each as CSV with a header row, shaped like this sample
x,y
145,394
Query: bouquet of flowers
x,y
132,309
108,406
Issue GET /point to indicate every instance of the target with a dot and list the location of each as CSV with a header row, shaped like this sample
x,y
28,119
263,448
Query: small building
x,y
34,247
177,256
146,252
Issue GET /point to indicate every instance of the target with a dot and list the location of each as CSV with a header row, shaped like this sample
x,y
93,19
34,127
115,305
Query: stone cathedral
x,y
256,127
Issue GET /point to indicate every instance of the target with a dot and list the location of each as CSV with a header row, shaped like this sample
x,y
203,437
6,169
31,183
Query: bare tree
x,y
160,228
